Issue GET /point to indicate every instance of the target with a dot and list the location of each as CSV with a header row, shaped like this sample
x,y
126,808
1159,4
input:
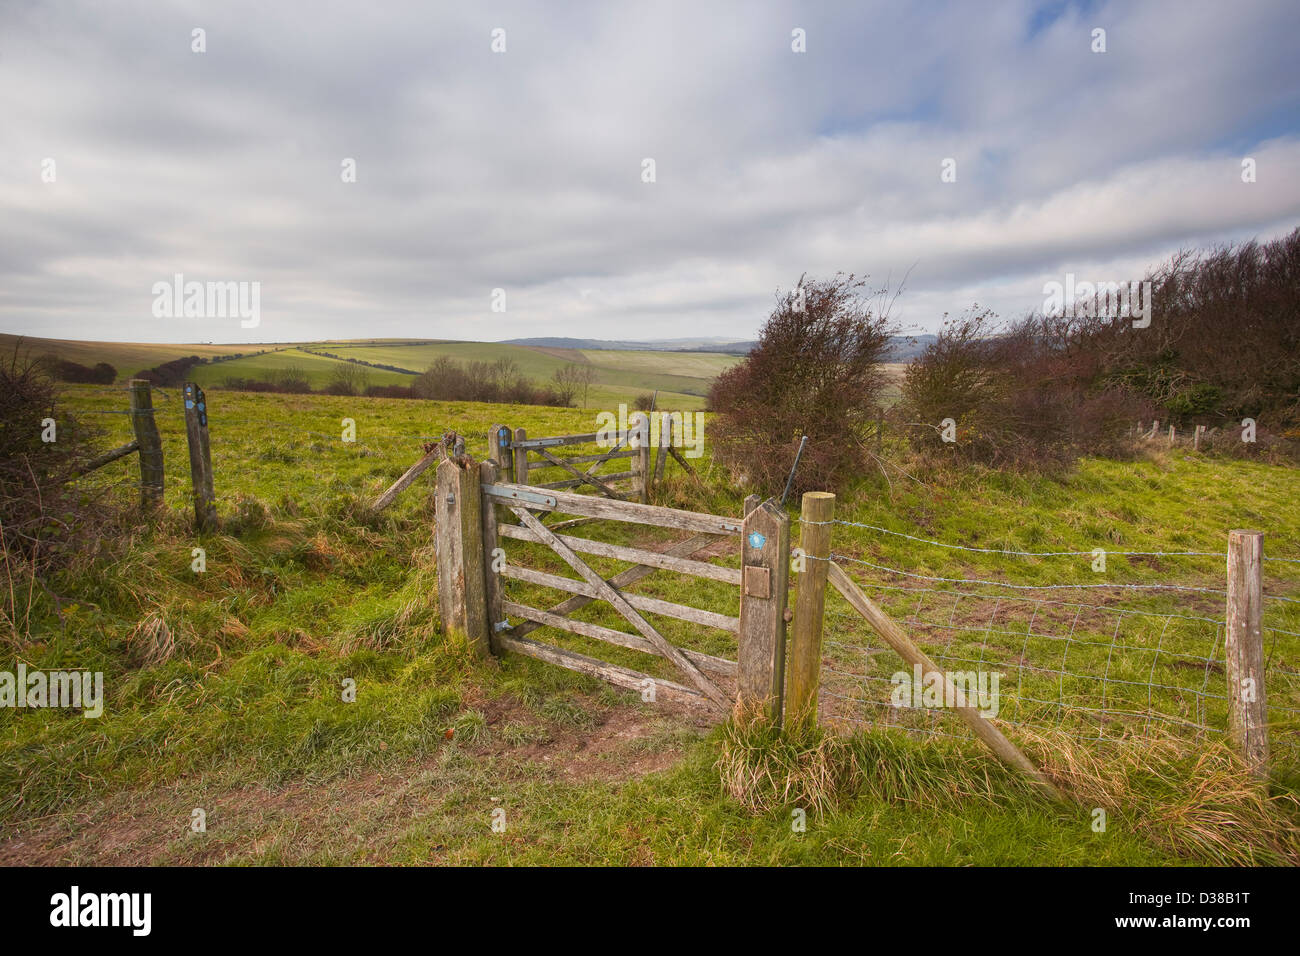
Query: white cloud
x,y
522,170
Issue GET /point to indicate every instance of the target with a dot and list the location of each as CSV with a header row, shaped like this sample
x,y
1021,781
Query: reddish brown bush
x,y
1027,395
816,372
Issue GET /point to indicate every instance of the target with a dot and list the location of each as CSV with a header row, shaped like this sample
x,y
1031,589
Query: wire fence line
x,y
277,450
1096,672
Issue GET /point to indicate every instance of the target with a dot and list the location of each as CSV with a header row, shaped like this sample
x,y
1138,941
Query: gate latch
x,y
758,582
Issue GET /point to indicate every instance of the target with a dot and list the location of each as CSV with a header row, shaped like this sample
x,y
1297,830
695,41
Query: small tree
x,y
816,371
587,375
348,378
567,382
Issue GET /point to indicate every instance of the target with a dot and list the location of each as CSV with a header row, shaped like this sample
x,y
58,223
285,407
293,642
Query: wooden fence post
x,y
810,605
1247,708
642,459
521,458
765,570
665,440
494,594
151,454
196,435
461,594
880,430
499,447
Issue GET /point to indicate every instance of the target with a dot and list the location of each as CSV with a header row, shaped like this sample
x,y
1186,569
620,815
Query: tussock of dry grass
x,y
151,641
1192,797
1195,796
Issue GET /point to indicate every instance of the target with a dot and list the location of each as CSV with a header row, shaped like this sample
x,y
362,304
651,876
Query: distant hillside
x,y
654,345
903,348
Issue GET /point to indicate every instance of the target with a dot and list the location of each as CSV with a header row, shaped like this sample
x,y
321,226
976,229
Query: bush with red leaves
x,y
816,371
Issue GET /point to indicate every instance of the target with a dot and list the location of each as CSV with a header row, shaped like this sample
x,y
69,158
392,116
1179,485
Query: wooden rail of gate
x,y
472,508
517,456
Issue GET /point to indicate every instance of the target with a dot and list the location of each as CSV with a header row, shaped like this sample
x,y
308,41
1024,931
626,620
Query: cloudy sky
x,y
522,170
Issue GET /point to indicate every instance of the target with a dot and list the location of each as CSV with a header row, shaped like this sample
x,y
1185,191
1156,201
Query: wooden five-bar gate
x,y
477,512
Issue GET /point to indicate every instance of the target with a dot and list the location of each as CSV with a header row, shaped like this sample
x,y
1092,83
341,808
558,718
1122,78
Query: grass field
x,y
315,368
224,686
681,378
126,357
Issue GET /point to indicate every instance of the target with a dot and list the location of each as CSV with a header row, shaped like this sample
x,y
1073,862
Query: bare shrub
x,y
1024,396
348,378
568,382
816,371
39,506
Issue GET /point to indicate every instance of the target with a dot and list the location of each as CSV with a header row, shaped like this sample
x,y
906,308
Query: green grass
x,y
315,368
240,712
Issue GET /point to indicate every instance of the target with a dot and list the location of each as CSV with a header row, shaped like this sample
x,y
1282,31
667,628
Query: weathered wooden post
x,y
520,468
765,569
880,430
494,594
1247,708
196,435
1196,437
641,463
1171,436
461,593
810,604
151,454
665,440
499,447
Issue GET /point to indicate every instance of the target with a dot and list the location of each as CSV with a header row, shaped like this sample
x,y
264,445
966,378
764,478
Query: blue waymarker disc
x,y
188,403
756,540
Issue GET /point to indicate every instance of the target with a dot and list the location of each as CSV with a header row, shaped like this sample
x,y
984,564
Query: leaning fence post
x,y
1247,709
810,605
196,435
461,594
765,569
151,454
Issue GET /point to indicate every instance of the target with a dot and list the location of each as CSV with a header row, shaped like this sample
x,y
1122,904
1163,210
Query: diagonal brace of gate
x,y
682,549
588,477
610,594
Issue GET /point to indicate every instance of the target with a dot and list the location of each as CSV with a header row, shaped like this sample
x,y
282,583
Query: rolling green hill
x,y
681,378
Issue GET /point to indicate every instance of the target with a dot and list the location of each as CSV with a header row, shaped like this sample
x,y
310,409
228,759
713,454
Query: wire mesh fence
x,y
1037,655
